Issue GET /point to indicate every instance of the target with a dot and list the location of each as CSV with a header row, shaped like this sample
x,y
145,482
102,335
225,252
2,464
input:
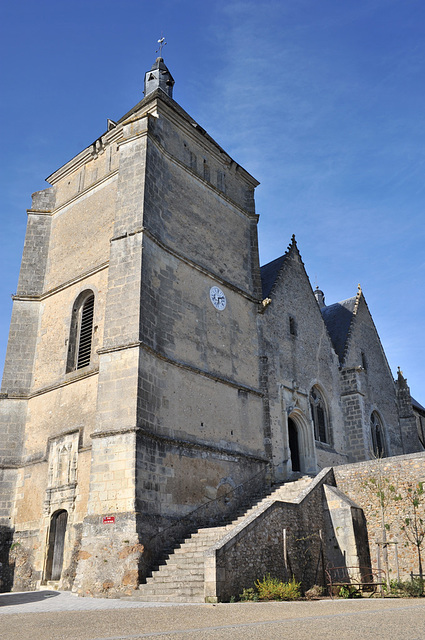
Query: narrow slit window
x,y
206,171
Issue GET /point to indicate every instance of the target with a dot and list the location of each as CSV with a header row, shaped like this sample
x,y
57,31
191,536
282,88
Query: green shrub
x,y
248,595
393,589
274,589
412,588
348,591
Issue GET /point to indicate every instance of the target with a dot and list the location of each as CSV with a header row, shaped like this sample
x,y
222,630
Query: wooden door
x,y
56,545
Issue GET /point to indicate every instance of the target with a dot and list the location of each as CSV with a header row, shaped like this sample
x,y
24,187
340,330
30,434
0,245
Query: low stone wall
x,y
256,546
362,481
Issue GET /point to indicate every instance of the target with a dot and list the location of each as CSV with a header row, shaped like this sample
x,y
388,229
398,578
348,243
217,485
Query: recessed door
x,y
293,445
56,545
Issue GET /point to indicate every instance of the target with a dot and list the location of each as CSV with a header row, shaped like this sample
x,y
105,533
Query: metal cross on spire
x,y
162,44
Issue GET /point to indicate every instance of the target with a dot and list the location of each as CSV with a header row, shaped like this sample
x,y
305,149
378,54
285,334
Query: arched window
x,y
81,332
378,438
319,415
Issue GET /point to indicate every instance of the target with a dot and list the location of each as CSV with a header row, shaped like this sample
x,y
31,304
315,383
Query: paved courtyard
x,y
62,616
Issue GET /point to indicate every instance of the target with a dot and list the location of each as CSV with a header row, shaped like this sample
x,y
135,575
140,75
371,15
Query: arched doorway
x,y
294,445
56,545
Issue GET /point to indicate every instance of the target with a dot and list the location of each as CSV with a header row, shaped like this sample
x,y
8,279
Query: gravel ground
x,y
52,616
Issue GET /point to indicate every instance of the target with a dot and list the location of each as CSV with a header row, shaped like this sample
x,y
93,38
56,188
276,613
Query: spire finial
x,y
162,44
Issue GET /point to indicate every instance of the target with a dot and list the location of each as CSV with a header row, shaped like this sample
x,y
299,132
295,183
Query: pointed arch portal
x,y
294,445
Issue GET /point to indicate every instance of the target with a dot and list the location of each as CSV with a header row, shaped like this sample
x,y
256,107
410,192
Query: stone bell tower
x,y
132,382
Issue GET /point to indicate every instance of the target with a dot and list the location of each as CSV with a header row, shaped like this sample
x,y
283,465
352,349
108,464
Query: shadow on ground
x,y
9,599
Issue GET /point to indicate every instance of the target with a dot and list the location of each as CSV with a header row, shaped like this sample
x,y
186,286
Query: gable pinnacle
x,y
292,244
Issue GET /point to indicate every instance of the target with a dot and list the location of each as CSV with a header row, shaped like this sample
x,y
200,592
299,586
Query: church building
x,y
155,374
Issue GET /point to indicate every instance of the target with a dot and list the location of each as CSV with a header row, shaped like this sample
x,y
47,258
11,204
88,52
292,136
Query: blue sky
x,y
323,101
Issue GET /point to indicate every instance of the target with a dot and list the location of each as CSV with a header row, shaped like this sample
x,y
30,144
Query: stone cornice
x,y
85,192
195,265
181,365
158,102
179,442
189,126
221,194
64,285
85,156
39,212
73,376
354,392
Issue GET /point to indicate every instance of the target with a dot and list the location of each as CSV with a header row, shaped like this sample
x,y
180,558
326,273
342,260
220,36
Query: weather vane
x,y
162,44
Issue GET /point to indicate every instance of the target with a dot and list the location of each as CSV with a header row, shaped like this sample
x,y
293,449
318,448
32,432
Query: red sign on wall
x,y
108,519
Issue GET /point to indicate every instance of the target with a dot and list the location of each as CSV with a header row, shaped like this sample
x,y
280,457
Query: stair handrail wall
x,y
217,582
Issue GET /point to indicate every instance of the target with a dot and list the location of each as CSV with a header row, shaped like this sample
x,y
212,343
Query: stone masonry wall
x,y
354,414
402,472
365,357
300,355
178,492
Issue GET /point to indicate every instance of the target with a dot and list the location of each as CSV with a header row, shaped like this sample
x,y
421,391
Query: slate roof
x,y
416,405
338,318
269,273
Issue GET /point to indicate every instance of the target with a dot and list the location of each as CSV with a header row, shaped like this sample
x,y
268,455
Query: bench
x,y
359,578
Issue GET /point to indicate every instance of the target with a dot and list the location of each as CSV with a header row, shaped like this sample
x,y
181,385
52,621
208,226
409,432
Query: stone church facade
x,y
153,369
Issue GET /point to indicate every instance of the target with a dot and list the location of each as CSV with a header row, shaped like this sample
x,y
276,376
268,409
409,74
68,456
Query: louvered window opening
x,y
86,332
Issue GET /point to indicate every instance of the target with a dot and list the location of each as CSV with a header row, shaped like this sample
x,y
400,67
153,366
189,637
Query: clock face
x,y
218,298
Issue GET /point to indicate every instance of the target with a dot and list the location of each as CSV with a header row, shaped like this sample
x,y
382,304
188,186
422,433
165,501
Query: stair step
x,y
184,569
181,576
180,588
192,579
191,552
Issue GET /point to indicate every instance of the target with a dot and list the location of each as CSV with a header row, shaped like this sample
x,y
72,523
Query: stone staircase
x,y
181,578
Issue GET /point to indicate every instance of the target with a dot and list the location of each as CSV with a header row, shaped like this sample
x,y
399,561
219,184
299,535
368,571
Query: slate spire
x,y
159,78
